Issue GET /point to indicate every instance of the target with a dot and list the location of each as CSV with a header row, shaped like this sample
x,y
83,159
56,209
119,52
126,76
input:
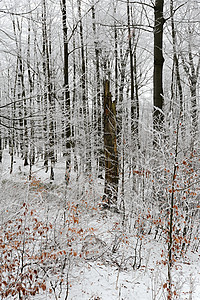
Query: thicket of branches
x,y
81,80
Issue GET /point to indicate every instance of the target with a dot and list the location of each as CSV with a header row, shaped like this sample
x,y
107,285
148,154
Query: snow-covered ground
x,y
108,260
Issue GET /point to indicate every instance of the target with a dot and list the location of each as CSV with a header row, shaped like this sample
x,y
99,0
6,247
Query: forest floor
x,y
97,253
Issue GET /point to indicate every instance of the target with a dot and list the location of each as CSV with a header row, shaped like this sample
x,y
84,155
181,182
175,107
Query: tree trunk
x,y
21,92
44,102
1,147
97,101
85,109
133,112
31,106
49,95
192,75
110,148
158,116
12,135
66,129
175,59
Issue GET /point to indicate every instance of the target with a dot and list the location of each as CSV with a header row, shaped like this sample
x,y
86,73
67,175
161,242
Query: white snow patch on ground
x,y
102,278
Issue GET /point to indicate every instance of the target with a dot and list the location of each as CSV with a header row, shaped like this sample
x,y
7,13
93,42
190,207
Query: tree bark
x,y
110,148
31,104
21,92
133,112
84,92
66,129
192,75
175,59
1,148
49,94
98,109
158,116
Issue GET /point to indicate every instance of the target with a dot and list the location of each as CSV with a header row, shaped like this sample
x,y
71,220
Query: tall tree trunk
x,y
12,117
75,108
175,59
83,90
44,102
31,104
123,66
83,67
110,148
97,100
158,116
133,112
25,123
192,75
116,55
176,79
134,100
21,93
67,129
48,89
136,88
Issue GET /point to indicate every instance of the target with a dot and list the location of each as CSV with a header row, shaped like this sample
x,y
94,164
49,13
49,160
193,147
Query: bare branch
x,y
8,12
138,2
